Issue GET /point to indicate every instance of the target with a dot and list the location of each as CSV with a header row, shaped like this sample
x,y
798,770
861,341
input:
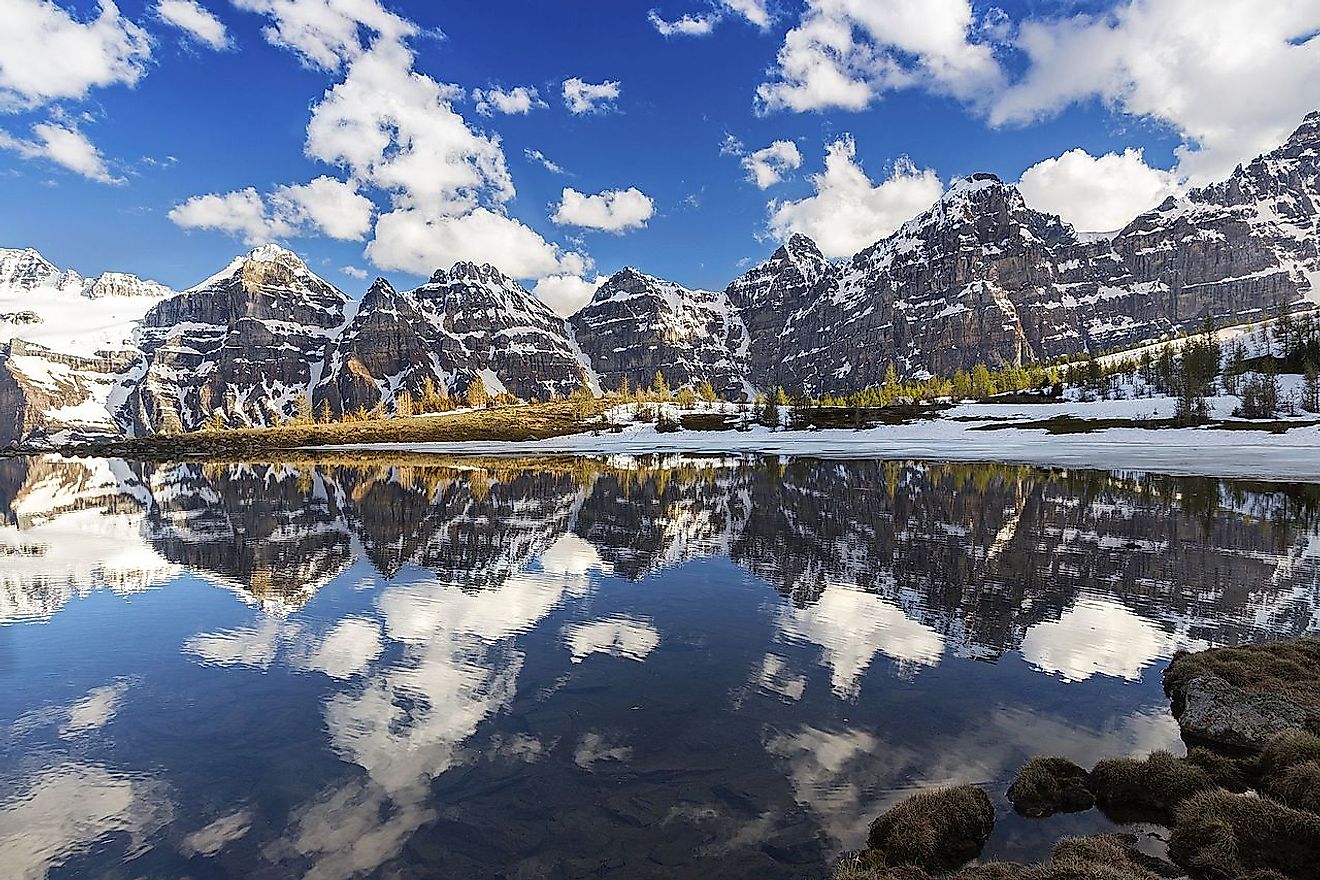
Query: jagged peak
x,y
467,270
269,266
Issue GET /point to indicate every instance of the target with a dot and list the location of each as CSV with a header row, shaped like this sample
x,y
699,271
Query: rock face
x,y
980,277
471,321
245,341
637,324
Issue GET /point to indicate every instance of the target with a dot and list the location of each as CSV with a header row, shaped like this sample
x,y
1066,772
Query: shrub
x,y
935,830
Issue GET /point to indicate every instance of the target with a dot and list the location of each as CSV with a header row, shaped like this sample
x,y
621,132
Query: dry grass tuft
x,y
1285,669
1048,784
1222,836
935,830
1129,790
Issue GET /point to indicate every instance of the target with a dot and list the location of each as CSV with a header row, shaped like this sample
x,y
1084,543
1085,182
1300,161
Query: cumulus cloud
x,y
327,33
47,55
1096,194
541,159
767,166
517,101
848,212
396,134
611,211
354,272
65,146
584,97
701,24
1233,77
412,240
324,206
566,294
195,20
686,25
846,53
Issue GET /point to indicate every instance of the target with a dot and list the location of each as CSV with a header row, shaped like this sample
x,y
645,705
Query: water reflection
x,y
618,668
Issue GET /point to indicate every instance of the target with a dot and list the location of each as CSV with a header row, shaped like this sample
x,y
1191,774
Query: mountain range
x,y
980,277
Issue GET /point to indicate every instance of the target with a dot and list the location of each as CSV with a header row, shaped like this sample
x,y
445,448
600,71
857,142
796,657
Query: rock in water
x,y
1212,710
1047,785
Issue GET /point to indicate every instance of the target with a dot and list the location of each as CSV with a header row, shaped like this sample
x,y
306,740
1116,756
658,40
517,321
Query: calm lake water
x,y
703,668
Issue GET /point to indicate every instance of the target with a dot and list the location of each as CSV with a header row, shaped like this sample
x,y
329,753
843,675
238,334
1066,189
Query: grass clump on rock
x,y
1099,857
1129,790
1048,784
934,830
1222,836
1290,770
1286,669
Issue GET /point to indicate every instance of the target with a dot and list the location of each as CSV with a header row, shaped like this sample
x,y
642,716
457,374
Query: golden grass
x,y
537,421
1286,669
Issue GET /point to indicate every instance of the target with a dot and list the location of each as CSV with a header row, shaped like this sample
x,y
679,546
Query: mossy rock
x,y
1222,836
1129,790
1049,784
935,830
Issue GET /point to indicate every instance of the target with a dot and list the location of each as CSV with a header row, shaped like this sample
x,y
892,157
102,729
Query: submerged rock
x,y
1049,784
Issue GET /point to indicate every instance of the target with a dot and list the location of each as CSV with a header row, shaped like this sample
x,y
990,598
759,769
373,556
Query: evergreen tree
x,y
686,397
216,421
706,391
302,409
326,417
624,391
962,385
403,404
1311,388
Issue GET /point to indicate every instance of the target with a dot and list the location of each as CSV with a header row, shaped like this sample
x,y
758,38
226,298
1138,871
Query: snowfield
x,y
958,435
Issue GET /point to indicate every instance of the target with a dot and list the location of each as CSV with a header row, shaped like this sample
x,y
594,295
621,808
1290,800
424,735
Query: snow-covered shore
x,y
958,435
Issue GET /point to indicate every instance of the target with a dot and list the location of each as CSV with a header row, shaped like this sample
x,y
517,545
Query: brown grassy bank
x,y
536,421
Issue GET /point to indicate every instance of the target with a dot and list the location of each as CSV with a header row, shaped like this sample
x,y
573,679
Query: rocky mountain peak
x,y
25,269
121,284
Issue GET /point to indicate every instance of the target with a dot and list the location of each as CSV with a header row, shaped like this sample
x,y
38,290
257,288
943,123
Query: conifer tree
x,y
477,395
660,387
706,391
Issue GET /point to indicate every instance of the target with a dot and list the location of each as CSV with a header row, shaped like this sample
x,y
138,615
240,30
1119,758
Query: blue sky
x,y
188,131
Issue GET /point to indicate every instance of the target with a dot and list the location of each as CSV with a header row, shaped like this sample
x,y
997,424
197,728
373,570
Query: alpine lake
x,y
626,667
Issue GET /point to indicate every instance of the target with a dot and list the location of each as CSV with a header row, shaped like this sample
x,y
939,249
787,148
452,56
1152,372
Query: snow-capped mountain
x,y
980,277
637,324
465,323
65,343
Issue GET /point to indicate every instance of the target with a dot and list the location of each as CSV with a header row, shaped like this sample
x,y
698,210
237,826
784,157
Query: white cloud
x,y
848,211
354,272
1233,77
611,211
1096,194
327,33
701,24
754,11
517,101
584,97
566,294
334,207
767,166
540,158
397,129
411,240
685,26
65,146
324,206
732,146
195,20
846,53
46,55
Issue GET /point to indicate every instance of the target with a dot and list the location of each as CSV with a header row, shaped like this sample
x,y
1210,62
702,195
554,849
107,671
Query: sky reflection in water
x,y
721,667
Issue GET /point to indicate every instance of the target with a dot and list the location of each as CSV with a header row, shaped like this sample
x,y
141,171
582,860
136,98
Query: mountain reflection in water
x,y
588,668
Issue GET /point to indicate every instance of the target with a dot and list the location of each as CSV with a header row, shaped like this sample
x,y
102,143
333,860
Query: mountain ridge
x,y
979,277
